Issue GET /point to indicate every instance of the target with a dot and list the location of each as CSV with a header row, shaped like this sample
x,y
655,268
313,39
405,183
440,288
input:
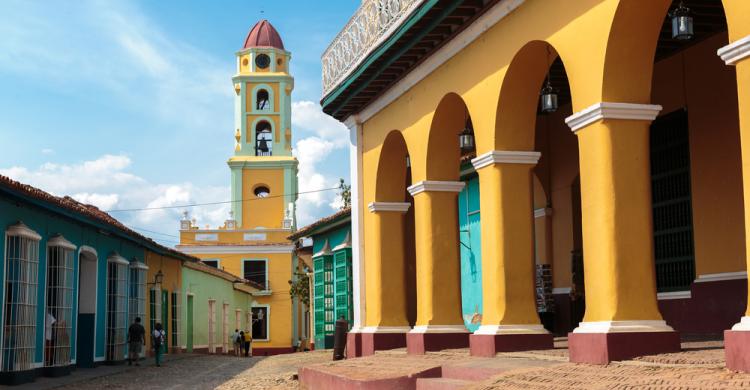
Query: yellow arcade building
x,y
591,156
252,244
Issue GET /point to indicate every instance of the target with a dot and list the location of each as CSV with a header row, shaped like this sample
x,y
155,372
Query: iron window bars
x,y
58,315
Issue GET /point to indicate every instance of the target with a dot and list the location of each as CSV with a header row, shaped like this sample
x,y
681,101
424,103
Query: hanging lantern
x,y
549,98
682,23
466,137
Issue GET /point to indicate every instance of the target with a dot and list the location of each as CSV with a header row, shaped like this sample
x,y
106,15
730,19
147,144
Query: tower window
x,y
262,191
263,139
261,100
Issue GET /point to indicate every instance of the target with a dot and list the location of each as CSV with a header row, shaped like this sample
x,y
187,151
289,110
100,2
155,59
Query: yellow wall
x,y
171,269
279,274
260,212
187,237
250,98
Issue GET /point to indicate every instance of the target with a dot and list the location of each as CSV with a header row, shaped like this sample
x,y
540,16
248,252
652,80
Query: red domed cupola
x,y
263,35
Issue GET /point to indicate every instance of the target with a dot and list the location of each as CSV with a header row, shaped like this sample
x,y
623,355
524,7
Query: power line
x,y
216,203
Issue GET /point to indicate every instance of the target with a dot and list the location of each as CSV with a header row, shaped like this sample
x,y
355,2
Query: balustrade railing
x,y
371,23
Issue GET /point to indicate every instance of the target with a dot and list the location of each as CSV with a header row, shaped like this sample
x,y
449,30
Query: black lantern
x,y
466,137
159,277
682,23
549,98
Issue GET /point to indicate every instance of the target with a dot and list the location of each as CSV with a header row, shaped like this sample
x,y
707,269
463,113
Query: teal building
x,y
331,292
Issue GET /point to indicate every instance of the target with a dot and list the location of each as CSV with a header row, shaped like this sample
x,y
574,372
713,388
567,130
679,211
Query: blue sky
x,y
128,104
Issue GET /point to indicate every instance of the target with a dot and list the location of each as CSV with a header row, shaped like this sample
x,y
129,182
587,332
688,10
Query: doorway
x,y
189,325
86,334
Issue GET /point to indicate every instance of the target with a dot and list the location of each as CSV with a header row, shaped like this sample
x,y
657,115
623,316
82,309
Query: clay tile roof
x,y
89,212
263,35
305,231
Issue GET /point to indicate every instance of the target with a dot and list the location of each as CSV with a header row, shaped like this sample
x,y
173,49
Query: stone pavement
x,y
189,371
700,365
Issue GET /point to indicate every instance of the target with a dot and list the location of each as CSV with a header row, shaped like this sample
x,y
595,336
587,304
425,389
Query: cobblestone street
x,y
191,372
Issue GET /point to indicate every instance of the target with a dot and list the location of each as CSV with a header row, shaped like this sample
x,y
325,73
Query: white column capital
x,y
436,186
505,157
396,207
736,51
608,110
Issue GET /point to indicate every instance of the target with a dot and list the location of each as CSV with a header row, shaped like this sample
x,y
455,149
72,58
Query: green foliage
x,y
345,192
300,288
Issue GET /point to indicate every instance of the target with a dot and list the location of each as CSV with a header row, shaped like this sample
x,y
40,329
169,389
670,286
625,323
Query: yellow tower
x,y
253,242
263,166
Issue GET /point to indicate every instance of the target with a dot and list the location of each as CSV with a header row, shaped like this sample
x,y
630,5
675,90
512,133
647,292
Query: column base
x,y
436,338
487,345
353,345
372,342
737,349
602,348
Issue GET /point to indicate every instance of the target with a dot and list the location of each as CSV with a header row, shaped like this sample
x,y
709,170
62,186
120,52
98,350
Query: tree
x,y
300,288
345,192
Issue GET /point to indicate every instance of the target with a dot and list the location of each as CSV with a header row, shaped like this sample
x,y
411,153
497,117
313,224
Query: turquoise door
x,y
471,253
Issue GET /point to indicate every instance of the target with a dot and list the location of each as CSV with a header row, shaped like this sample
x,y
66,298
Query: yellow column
x,y
613,139
384,270
737,53
509,302
438,262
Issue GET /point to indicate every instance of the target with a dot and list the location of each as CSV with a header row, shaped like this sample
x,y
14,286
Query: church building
x,y
253,243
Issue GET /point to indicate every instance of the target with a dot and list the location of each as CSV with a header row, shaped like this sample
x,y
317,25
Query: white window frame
x,y
267,318
120,261
218,262
20,230
266,287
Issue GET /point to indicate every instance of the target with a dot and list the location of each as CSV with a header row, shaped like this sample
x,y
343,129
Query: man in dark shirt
x,y
136,340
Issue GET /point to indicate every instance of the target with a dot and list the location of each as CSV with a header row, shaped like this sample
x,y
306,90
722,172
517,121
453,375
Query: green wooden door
x,y
189,327
165,318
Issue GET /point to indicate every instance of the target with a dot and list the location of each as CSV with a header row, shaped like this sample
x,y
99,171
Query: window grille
x,y
19,306
225,327
116,307
671,202
137,296
176,312
211,326
59,312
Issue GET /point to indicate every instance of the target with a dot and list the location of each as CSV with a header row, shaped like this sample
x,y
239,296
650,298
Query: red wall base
x,y
270,351
486,345
419,343
353,345
602,348
737,350
372,342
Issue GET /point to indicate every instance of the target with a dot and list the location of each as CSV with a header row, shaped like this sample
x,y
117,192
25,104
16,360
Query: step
x,y
442,384
481,369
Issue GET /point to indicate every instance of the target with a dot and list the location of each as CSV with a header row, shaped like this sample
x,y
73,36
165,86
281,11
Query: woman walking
x,y
157,340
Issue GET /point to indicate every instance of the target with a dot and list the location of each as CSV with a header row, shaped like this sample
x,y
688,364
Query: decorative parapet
x,y
371,24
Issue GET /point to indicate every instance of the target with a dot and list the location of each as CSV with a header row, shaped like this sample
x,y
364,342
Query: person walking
x,y
157,341
247,341
236,342
136,339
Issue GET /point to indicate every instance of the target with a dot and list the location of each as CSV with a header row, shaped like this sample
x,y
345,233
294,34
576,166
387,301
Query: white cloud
x,y
327,135
48,151
106,183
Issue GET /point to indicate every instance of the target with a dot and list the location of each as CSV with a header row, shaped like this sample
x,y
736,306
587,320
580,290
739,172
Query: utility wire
x,y
216,203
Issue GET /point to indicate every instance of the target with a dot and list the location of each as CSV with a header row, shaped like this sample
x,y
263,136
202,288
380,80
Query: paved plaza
x,y
699,366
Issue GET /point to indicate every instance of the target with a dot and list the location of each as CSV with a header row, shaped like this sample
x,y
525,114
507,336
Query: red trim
x,y
353,345
486,345
419,343
737,350
372,342
602,348
316,377
270,351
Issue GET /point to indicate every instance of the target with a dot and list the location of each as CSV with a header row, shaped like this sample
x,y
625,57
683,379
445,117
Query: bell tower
x,y
264,172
